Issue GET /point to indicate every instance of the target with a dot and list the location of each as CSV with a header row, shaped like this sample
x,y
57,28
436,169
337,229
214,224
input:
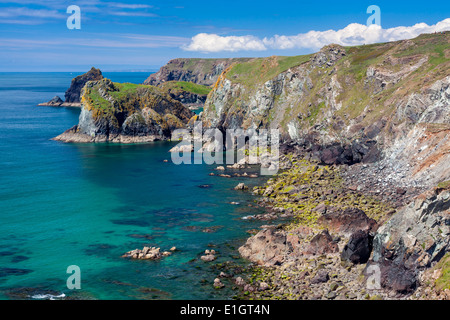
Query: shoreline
x,y
304,258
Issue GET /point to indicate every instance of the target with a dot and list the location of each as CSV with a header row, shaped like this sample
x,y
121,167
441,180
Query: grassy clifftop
x,y
183,86
126,113
200,71
335,87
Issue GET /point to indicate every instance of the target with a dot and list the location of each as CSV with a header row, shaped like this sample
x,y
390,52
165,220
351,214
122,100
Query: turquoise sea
x,y
87,204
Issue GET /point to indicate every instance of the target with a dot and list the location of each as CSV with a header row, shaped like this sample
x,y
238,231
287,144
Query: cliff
x,y
73,94
125,113
344,105
199,71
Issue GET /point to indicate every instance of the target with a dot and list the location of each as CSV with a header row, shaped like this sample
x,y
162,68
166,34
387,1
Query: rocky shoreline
x,y
333,238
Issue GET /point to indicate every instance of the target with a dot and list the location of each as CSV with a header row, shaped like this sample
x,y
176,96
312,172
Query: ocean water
x,y
87,204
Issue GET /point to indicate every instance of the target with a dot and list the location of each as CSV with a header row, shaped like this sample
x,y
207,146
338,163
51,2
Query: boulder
x,y
320,277
267,247
358,248
347,221
241,186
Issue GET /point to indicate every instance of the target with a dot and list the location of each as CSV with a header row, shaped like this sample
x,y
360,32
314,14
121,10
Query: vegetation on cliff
x,y
200,71
126,112
336,87
179,87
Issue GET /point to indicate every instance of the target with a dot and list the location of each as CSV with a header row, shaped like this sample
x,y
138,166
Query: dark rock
x,y
412,239
395,277
347,221
320,277
359,247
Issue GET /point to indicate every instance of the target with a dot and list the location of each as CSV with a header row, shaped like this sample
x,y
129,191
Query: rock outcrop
x,y
54,102
341,105
73,94
148,253
416,237
189,94
126,113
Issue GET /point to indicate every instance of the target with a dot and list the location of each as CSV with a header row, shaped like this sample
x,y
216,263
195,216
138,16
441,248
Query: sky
x,y
140,35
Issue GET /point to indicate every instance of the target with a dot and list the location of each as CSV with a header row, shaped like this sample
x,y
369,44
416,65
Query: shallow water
x,y
87,204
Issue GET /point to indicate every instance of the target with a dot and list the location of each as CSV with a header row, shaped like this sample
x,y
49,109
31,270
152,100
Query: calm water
x,y
87,204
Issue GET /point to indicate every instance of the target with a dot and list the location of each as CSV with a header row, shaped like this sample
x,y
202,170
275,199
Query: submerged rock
x,y
210,255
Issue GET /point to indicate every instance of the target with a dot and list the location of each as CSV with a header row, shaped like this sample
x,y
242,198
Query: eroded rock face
x,y
322,243
73,94
200,71
416,236
142,114
359,247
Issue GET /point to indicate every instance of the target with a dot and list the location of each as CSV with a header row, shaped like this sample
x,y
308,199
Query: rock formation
x,y
126,113
73,94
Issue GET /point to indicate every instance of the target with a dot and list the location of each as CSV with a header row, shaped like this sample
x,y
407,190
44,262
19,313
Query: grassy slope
x,y
179,86
261,70
355,96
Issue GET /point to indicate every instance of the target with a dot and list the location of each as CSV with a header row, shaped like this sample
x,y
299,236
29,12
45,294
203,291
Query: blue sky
x,y
143,35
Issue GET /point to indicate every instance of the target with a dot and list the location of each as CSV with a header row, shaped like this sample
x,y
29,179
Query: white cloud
x,y
34,13
214,43
129,5
353,34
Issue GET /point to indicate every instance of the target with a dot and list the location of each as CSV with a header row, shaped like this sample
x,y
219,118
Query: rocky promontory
x,y
73,94
200,71
126,113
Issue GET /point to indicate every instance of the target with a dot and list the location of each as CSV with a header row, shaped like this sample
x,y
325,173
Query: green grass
x,y
443,282
444,184
261,70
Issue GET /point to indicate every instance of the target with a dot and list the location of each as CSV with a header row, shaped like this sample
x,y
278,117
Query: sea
x,y
85,205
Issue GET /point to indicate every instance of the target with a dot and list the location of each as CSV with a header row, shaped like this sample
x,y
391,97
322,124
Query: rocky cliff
x,y
200,71
126,113
190,94
368,130
345,105
73,93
